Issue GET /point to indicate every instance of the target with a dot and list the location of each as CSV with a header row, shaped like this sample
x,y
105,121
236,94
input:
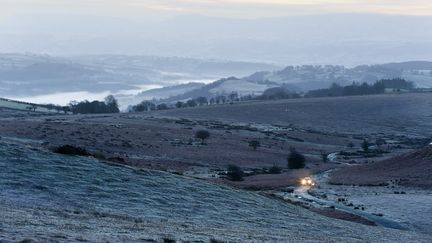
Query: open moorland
x,y
408,114
334,127
48,197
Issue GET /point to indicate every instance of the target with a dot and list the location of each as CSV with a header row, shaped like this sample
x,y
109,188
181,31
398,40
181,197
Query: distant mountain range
x,y
27,75
338,39
30,75
308,77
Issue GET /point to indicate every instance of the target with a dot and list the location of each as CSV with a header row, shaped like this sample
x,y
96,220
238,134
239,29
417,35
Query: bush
x,y
324,156
71,150
95,107
202,134
144,106
296,160
235,173
275,170
162,106
254,144
365,146
180,104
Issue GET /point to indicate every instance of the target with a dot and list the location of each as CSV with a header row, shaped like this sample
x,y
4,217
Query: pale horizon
x,y
220,8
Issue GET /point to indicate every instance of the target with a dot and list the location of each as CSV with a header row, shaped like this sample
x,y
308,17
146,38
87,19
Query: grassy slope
x,y
411,169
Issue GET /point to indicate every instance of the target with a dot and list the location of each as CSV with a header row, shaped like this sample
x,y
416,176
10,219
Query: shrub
x,y
296,160
168,240
162,106
254,144
365,146
324,156
235,173
71,150
202,134
191,103
144,106
275,170
180,104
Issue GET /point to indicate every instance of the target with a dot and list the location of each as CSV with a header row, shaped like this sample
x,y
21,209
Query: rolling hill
x,y
23,106
308,77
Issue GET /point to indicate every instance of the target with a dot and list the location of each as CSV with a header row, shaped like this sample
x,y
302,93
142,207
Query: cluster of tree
x,y
58,108
110,105
295,159
278,93
397,84
283,92
199,101
349,90
148,105
379,87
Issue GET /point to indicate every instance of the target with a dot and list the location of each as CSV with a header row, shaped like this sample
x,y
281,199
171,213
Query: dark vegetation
x,y
296,160
379,87
144,106
324,156
254,144
71,150
283,92
202,134
278,93
365,146
110,105
235,173
275,170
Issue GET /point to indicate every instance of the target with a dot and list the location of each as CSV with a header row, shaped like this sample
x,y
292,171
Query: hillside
x,y
223,86
123,204
23,106
307,77
410,169
169,91
24,75
395,113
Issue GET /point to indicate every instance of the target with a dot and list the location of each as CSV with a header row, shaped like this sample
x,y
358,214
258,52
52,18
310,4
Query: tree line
x,y
379,87
282,92
148,105
109,105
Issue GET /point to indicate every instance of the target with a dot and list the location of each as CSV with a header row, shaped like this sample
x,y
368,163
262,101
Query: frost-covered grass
x,y
48,196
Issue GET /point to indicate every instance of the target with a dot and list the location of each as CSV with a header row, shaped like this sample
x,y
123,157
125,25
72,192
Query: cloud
x,y
225,8
269,8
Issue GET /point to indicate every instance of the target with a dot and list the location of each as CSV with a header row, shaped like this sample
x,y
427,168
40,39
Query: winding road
x,y
302,193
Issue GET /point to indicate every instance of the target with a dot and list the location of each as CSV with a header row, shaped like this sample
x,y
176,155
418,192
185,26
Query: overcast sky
x,y
225,8
281,31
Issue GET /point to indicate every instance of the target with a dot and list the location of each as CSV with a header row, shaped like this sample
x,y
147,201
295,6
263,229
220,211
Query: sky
x,y
348,32
282,32
219,8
